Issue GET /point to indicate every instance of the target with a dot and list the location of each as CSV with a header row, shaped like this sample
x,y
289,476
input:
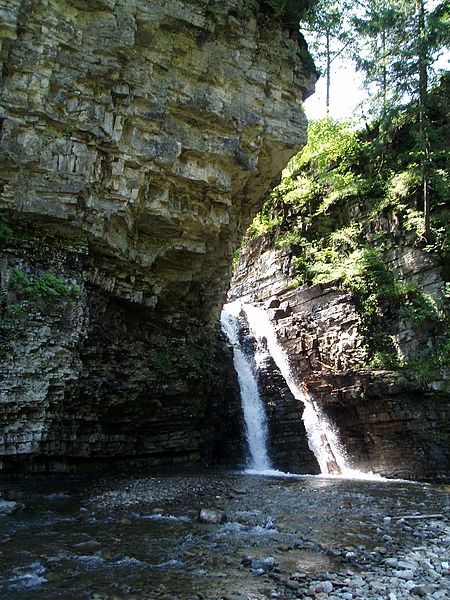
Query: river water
x,y
138,536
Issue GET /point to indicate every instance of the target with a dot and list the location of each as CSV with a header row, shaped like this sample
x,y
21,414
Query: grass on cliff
x,y
22,295
349,202
48,287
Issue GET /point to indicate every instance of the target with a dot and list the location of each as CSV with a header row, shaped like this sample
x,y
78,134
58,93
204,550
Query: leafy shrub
x,y
385,361
345,238
160,362
345,200
420,307
443,353
261,225
332,145
402,185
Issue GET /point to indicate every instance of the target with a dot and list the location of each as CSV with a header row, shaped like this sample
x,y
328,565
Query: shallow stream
x,y
125,536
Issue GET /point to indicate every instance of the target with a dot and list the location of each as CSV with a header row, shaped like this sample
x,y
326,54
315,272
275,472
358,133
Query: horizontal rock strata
x,y
138,138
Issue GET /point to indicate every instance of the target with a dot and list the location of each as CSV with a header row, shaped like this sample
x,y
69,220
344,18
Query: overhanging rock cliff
x,y
138,139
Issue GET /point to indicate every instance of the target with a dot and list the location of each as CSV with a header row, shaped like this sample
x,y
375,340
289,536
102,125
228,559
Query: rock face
x,y
389,424
137,141
288,442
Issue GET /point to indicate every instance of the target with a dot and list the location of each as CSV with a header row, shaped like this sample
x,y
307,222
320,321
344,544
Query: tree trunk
x,y
328,51
384,72
422,63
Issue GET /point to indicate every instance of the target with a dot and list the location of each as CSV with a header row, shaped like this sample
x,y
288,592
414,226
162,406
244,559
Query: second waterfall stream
x,y
322,440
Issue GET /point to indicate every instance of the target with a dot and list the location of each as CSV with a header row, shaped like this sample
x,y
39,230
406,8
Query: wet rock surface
x,y
139,537
7,507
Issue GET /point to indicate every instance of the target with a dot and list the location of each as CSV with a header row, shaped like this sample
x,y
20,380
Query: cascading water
x,y
321,438
253,407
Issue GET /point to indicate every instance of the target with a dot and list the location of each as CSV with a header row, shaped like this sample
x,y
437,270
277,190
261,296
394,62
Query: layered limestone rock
x,y
389,424
138,138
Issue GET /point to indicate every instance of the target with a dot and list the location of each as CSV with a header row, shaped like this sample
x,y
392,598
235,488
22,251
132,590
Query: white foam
x,y
161,517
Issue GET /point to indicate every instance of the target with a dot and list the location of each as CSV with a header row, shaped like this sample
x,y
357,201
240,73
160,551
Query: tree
x,y
377,26
328,28
404,39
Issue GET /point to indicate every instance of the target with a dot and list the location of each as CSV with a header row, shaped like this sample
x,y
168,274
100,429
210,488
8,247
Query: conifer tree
x,y
403,39
328,25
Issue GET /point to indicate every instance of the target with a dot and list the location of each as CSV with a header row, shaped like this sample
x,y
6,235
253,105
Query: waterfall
x,y
252,405
322,440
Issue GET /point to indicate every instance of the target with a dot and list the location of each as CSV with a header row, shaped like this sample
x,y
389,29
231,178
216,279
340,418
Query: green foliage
x,y
395,46
421,369
443,353
346,238
402,185
290,12
332,145
344,206
441,242
420,308
262,224
23,295
160,363
386,361
235,259
328,32
48,287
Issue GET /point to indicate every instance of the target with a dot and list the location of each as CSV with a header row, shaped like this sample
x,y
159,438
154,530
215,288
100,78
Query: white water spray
x,y
252,405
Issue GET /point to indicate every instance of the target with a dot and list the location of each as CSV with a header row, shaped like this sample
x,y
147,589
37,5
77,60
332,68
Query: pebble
x,y
327,587
8,507
405,568
357,581
266,564
391,562
207,515
418,572
423,591
405,574
292,584
89,546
